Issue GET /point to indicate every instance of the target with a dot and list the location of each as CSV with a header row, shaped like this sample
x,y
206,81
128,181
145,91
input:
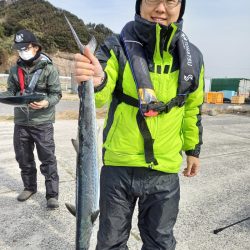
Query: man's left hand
x,y
39,105
193,166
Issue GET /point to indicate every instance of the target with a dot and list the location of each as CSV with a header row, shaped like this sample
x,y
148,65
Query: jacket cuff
x,y
103,83
194,152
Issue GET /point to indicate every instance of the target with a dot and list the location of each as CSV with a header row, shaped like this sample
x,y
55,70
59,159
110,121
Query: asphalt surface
x,y
217,197
62,106
65,105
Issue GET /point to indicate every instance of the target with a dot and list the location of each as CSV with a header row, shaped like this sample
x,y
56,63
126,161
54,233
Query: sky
x,y
219,28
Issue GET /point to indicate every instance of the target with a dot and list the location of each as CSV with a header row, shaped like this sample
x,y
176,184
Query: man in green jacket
x,y
152,77
35,73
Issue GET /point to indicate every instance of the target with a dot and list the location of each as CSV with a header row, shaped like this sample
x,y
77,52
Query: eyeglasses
x,y
26,49
169,3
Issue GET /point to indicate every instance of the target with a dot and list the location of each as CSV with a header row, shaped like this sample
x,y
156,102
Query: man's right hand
x,y
87,66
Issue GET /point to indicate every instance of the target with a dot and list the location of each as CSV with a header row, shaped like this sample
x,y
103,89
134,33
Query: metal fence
x,y
67,83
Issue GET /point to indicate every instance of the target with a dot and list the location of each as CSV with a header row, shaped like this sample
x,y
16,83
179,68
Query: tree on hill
x,y
48,24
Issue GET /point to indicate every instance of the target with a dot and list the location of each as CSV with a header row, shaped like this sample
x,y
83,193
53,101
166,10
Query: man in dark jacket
x,y
153,79
35,73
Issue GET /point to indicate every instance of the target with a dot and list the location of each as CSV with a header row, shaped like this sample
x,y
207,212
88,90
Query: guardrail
x,y
67,83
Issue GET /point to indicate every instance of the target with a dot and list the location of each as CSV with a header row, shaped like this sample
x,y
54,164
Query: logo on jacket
x,y
19,38
188,78
187,49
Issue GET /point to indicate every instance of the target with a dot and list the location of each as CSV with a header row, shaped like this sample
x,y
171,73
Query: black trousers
x,y
158,197
41,136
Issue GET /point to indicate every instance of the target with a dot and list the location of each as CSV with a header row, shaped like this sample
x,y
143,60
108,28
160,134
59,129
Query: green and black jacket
x,y
173,132
48,83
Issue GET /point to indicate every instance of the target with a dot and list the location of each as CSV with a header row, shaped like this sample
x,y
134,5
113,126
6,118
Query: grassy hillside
x,y
48,24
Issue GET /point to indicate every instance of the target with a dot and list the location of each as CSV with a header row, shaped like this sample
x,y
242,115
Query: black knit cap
x,y
183,4
23,38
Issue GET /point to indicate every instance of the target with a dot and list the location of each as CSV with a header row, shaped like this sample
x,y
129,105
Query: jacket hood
x,y
40,61
146,32
183,5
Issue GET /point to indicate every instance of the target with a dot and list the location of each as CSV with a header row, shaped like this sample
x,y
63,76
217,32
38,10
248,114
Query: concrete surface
x,y
64,105
219,196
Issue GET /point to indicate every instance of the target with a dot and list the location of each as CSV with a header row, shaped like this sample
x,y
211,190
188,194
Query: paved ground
x,y
63,105
69,107
220,195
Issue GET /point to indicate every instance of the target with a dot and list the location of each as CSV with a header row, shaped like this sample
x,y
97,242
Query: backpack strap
x,y
33,81
159,107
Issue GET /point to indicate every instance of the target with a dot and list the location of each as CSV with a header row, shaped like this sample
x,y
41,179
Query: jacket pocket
x,y
125,137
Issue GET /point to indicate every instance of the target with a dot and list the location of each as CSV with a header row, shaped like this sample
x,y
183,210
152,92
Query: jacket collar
x,y
153,35
38,63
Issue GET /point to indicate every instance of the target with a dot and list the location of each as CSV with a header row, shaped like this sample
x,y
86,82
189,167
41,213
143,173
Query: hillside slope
x,y
48,24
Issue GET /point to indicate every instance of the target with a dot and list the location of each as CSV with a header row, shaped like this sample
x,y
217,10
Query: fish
x,y
23,100
87,170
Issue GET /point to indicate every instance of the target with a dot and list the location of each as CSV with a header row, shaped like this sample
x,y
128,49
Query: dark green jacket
x,y
173,132
48,83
